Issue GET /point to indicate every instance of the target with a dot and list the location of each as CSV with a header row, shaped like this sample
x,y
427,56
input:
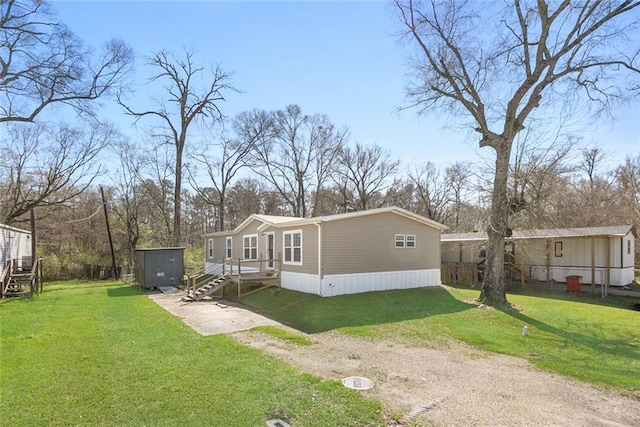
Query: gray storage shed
x,y
159,267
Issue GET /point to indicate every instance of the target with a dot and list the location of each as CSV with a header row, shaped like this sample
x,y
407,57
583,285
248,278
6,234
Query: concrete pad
x,y
211,317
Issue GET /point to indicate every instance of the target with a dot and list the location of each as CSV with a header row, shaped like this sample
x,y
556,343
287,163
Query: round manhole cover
x,y
357,383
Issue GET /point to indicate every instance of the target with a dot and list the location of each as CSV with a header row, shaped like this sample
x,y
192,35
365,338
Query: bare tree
x,y
297,159
434,198
628,186
42,63
591,161
249,130
536,170
183,105
48,166
499,67
366,172
457,179
130,201
246,197
158,189
628,181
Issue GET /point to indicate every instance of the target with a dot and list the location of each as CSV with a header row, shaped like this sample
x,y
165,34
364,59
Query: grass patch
x,y
577,334
105,354
283,334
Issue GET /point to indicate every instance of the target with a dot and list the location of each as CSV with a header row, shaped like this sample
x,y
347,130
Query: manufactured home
x,y
600,255
15,245
372,250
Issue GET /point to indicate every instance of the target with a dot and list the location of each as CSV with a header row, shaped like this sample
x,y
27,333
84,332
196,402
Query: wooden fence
x,y
459,273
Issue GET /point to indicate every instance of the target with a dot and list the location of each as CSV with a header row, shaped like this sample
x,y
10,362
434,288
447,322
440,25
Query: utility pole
x,y
106,218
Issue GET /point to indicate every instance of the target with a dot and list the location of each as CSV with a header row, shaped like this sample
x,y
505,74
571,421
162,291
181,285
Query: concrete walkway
x,y
210,317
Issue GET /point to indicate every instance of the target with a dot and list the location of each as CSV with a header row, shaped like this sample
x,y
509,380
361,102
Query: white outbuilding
x,y
599,255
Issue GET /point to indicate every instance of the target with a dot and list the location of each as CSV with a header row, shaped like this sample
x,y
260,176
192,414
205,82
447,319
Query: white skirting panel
x,y
340,284
619,276
307,283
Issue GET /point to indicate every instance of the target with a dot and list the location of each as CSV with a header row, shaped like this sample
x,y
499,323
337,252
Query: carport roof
x,y
555,233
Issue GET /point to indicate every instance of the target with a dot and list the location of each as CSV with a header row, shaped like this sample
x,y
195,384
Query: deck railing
x,y
240,270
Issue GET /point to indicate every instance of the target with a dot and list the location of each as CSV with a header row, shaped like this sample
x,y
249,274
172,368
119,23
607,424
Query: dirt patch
x,y
453,386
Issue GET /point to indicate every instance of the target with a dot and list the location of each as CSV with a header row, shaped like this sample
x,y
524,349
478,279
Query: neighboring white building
x,y
601,255
14,244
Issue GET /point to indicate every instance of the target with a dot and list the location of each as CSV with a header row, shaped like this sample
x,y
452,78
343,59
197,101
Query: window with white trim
x,y
229,247
250,246
210,248
292,247
405,241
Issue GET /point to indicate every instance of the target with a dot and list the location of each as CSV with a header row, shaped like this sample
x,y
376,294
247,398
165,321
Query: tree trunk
x,y
493,287
177,198
221,208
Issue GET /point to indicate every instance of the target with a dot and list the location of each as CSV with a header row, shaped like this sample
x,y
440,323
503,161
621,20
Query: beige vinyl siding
x,y
218,248
220,242
367,244
309,249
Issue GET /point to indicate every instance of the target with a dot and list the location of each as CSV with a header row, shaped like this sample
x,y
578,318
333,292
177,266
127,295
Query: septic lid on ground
x,y
277,422
357,383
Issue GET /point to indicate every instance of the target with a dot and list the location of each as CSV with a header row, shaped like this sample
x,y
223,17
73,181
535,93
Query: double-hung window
x,y
250,246
405,241
210,248
229,247
292,245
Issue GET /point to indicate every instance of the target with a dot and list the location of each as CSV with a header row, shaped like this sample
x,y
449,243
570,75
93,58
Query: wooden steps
x,y
207,289
19,285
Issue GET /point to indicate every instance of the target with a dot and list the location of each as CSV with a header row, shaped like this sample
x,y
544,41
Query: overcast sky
x,y
337,58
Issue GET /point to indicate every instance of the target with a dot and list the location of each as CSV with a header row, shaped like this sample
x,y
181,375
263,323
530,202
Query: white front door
x,y
270,242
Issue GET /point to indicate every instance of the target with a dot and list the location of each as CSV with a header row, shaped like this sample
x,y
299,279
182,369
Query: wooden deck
x,y
233,273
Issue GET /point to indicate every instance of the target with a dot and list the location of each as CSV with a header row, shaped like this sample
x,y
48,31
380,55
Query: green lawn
x,y
579,335
102,354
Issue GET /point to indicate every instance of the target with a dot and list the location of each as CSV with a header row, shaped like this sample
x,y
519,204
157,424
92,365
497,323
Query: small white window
x,y
399,240
410,240
250,246
229,247
210,248
292,245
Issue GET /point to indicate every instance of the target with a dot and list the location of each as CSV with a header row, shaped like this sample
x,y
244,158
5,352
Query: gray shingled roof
x,y
607,231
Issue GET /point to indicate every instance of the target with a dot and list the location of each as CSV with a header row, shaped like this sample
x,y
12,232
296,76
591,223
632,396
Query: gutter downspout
x,y
319,225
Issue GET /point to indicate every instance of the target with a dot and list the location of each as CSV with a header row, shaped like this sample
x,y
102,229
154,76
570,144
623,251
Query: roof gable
x,y
263,219
349,215
286,221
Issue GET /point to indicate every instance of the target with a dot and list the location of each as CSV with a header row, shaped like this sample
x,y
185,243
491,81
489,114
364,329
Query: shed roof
x,y
555,233
14,229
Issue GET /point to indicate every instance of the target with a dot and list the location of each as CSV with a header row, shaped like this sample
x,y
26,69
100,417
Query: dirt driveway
x,y
453,386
